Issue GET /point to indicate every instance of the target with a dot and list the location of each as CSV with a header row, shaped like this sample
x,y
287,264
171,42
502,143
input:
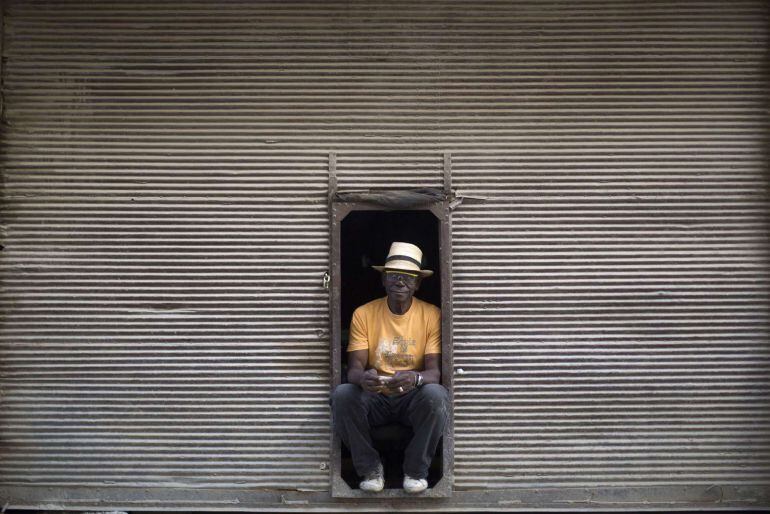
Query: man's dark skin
x,y
400,293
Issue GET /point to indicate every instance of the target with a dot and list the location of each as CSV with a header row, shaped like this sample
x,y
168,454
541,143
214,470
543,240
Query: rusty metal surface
x,y
165,170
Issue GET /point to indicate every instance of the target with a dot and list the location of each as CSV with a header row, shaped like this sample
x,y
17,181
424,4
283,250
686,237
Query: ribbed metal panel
x,y
166,235
165,319
611,295
606,338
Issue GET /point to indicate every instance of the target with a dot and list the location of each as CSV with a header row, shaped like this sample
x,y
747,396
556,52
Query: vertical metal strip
x,y
335,453
334,257
447,348
447,174
339,488
332,176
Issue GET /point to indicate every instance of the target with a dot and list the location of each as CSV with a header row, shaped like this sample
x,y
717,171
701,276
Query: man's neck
x,y
397,307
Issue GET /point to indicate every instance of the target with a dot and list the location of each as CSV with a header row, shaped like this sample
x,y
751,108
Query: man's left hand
x,y
404,380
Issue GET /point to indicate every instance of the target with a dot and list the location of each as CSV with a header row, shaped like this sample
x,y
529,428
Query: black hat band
x,y
403,258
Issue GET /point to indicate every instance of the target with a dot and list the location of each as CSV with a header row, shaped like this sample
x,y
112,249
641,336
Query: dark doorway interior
x,y
365,240
365,237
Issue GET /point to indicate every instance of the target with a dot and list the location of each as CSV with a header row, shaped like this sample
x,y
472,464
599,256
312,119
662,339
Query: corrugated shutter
x,y
611,295
165,323
165,316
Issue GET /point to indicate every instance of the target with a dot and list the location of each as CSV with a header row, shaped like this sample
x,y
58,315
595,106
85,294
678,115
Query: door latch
x,y
327,279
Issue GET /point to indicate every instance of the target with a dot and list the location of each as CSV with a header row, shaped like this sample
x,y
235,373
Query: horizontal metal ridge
x,y
166,235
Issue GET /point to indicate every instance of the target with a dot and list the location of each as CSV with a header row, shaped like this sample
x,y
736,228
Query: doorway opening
x,y
365,237
362,230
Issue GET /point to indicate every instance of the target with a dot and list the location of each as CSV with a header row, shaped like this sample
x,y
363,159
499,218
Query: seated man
x,y
393,374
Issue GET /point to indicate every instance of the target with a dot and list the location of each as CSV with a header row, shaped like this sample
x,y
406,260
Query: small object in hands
x,y
400,389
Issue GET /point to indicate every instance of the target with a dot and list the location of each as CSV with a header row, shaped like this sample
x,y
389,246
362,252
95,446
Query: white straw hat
x,y
404,257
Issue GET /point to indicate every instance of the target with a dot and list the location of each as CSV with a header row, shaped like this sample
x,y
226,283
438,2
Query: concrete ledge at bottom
x,y
700,497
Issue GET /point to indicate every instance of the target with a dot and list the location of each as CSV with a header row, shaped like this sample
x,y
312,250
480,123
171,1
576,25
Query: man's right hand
x,y
370,381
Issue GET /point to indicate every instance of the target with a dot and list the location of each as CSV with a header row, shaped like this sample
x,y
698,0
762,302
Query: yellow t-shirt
x,y
396,342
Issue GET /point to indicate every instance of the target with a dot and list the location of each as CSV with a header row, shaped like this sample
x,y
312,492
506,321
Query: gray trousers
x,y
355,412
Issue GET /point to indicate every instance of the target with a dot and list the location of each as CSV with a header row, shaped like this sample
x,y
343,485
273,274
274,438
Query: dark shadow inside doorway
x,y
365,237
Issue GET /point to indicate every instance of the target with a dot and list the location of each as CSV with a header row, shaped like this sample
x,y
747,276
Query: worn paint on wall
x,y
165,333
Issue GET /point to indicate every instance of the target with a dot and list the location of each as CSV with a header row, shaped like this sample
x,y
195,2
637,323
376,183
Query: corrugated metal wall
x,y
165,325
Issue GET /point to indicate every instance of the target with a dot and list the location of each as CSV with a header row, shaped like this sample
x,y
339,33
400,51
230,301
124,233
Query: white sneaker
x,y
414,485
373,482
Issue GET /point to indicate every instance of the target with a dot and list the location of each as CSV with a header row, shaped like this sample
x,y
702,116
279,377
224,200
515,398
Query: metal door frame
x,y
441,210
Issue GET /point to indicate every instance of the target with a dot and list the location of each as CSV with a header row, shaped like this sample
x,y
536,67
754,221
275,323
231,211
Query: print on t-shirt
x,y
396,352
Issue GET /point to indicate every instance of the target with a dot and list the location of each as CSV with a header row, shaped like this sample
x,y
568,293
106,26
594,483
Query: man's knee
x,y
434,397
345,396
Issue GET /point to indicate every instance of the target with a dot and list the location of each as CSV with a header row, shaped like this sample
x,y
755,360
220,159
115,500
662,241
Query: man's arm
x,y
432,373
357,373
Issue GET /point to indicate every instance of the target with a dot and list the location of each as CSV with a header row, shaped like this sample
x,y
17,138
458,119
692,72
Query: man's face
x,y
400,286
